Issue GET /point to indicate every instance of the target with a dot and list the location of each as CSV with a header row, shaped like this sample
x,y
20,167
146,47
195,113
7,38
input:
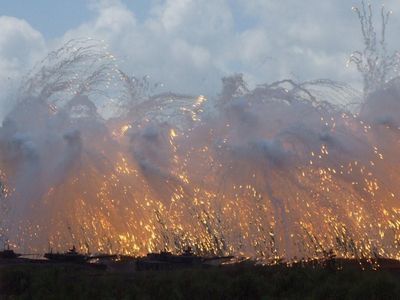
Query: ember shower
x,y
93,157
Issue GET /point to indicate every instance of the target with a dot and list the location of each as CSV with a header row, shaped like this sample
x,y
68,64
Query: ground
x,y
68,281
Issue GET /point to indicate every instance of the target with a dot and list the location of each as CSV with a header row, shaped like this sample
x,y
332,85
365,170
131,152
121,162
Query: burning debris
x,y
96,158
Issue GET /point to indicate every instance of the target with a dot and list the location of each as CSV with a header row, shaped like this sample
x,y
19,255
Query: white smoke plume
x,y
94,157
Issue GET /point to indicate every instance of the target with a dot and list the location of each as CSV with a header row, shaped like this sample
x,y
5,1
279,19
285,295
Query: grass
x,y
233,282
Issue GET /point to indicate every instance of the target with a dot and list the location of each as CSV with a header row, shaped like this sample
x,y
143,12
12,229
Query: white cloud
x,y
20,47
190,44
179,44
314,38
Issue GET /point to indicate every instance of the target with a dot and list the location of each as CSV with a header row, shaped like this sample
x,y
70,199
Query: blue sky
x,y
190,44
53,18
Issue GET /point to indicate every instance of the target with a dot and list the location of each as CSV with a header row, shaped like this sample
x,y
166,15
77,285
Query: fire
x,y
271,173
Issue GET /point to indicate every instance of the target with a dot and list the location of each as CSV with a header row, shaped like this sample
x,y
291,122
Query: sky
x,y
189,45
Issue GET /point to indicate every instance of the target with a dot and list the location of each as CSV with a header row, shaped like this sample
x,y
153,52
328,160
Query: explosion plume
x,y
94,157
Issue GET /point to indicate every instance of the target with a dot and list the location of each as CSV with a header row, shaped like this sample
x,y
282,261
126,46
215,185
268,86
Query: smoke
x,y
93,157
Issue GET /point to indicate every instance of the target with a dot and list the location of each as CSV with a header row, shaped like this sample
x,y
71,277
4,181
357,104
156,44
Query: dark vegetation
x,y
232,282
